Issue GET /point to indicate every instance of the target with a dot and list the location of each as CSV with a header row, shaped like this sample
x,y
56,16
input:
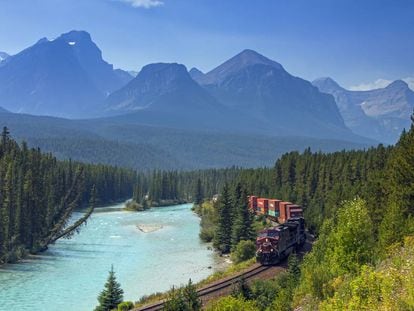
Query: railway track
x,y
215,287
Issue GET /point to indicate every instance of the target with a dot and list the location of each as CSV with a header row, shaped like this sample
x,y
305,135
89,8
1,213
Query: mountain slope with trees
x,y
152,147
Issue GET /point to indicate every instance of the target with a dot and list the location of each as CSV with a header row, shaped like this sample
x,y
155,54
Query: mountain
x,y
196,74
3,56
164,94
380,114
269,96
148,147
63,77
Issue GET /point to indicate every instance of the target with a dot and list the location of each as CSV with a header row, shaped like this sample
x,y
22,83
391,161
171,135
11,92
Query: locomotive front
x,y
266,247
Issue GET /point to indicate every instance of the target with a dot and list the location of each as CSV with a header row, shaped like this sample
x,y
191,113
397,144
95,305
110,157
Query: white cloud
x,y
380,83
144,3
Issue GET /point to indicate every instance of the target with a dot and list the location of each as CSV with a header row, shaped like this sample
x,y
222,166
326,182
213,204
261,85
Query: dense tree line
x,y
361,204
189,186
38,193
234,221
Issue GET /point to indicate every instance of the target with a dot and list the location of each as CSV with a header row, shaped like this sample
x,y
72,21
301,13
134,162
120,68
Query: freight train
x,y
276,243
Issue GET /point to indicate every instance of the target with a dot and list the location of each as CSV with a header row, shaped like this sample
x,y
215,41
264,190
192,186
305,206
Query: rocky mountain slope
x,y
380,114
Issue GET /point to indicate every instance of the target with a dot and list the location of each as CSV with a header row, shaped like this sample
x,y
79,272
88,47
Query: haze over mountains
x,y
247,110
379,114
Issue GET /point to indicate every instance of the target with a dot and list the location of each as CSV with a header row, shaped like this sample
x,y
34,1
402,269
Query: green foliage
x,y
231,303
263,292
198,195
38,194
242,218
241,289
112,294
234,222
183,299
243,251
125,306
208,214
389,287
293,269
344,245
222,237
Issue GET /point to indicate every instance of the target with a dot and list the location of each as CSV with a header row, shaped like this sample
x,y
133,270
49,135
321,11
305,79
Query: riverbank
x,y
133,206
19,253
77,269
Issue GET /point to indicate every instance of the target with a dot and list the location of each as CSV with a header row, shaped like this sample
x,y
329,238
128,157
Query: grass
x,y
232,270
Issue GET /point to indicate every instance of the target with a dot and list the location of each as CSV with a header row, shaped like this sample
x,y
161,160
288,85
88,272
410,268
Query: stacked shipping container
x,y
263,206
276,209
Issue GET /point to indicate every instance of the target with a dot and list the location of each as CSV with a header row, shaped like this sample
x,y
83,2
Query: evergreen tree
x,y
198,196
242,218
112,295
191,298
222,237
175,301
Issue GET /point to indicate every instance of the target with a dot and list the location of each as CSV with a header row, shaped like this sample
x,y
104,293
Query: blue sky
x,y
354,42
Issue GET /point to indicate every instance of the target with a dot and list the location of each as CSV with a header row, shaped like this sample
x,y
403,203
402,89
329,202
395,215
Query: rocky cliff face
x,y
380,114
64,77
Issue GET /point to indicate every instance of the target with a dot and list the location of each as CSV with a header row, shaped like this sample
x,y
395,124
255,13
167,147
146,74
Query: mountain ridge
x,y
63,77
380,114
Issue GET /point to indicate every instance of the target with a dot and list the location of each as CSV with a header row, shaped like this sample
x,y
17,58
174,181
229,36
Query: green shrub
x,y
231,303
125,306
243,251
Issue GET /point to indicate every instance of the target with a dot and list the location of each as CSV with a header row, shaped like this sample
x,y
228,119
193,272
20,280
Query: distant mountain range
x,y
249,93
245,111
63,77
379,114
263,90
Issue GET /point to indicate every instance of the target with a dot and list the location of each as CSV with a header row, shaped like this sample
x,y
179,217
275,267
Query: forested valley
x,y
358,204
38,194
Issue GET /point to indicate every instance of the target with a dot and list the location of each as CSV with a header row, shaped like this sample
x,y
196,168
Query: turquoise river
x,y
150,251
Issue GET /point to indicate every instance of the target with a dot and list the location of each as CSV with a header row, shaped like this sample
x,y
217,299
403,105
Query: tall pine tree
x,y
222,237
112,295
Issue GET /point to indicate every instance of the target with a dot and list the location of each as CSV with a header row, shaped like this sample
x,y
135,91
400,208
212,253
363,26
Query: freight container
x,y
252,203
283,212
262,206
274,207
294,211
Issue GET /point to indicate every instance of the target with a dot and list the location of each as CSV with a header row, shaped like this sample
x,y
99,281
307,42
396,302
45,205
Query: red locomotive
x,y
276,243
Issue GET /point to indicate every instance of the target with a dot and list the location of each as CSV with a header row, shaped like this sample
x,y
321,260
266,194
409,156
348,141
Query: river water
x,y
70,275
